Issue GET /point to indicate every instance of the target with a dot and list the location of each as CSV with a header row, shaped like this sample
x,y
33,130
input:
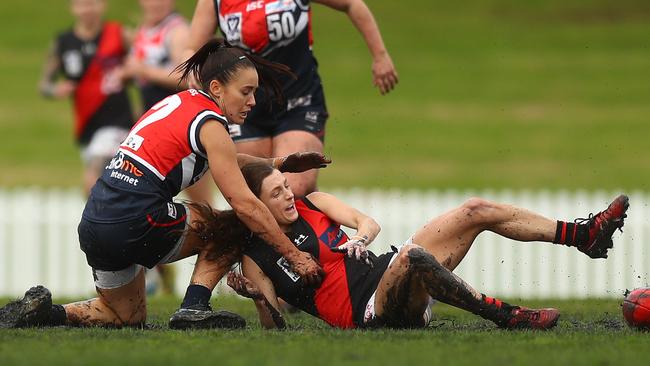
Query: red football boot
x,y
524,318
602,227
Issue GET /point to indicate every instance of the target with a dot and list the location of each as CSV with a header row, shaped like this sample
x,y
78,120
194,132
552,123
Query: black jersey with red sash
x,y
279,31
348,283
99,98
161,156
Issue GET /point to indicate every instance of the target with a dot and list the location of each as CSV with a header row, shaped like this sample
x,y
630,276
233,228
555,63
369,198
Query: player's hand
x,y
302,161
384,75
305,266
355,248
64,88
243,286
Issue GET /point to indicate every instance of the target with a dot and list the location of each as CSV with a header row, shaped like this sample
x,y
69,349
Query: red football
x,y
636,308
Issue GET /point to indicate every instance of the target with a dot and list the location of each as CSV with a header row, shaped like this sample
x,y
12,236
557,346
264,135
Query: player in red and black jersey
x,y
280,31
90,58
131,221
395,289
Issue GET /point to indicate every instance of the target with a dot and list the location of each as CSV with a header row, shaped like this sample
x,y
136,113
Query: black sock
x,y
58,315
571,234
196,296
495,310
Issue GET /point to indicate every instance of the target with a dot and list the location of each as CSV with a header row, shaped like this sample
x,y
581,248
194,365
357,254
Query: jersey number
x,y
162,109
281,25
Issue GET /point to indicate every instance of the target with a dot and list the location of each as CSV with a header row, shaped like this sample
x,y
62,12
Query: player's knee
x,y
421,260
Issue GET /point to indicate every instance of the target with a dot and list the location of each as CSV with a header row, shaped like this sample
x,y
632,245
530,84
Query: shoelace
x,y
588,221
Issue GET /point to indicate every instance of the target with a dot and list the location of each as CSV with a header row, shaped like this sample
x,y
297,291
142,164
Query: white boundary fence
x,y
39,245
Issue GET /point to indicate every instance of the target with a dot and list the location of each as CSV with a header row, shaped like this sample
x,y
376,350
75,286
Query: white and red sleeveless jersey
x,y
279,31
161,156
152,46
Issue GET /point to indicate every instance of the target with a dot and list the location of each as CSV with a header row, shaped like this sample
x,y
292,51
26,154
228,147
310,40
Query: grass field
x,y
535,94
590,332
501,93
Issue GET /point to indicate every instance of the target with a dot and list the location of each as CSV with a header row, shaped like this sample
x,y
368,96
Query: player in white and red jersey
x,y
156,50
280,31
131,220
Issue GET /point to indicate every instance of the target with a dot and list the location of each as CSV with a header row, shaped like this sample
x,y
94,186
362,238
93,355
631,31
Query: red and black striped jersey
x,y
99,98
161,156
348,283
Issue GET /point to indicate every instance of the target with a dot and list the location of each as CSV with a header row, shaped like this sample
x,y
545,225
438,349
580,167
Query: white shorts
x,y
369,314
104,144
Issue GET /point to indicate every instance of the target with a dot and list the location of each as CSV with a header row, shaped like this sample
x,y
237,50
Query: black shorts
x,y
154,238
309,118
363,281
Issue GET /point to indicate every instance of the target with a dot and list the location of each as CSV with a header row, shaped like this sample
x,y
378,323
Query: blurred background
x,y
539,102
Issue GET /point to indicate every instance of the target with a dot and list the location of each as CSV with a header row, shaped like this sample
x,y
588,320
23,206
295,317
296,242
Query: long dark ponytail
x,y
218,60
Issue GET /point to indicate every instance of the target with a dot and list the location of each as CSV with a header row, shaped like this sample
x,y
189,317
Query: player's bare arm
x,y
384,74
255,285
48,85
226,174
367,228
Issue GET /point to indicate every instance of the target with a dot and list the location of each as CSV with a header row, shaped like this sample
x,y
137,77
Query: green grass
x,y
492,94
590,332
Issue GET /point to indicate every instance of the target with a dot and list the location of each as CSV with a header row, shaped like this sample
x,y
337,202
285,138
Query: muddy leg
x,y
416,269
448,237
123,306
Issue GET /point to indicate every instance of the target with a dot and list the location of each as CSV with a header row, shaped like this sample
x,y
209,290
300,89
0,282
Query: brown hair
x,y
222,229
218,60
254,174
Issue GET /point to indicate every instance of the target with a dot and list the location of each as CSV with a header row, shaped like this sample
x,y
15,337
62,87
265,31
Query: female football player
x,y
280,31
85,64
395,288
131,220
157,49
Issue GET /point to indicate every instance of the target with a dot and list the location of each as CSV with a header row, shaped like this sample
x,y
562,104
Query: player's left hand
x,y
243,286
355,248
302,161
384,75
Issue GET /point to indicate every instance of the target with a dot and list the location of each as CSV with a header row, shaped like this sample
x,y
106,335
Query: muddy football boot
x,y
203,317
602,226
32,310
524,318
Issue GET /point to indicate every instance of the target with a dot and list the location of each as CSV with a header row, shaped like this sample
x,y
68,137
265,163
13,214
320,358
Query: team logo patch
x,y
284,265
133,142
280,6
171,210
300,239
302,101
233,27
72,62
311,116
332,236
